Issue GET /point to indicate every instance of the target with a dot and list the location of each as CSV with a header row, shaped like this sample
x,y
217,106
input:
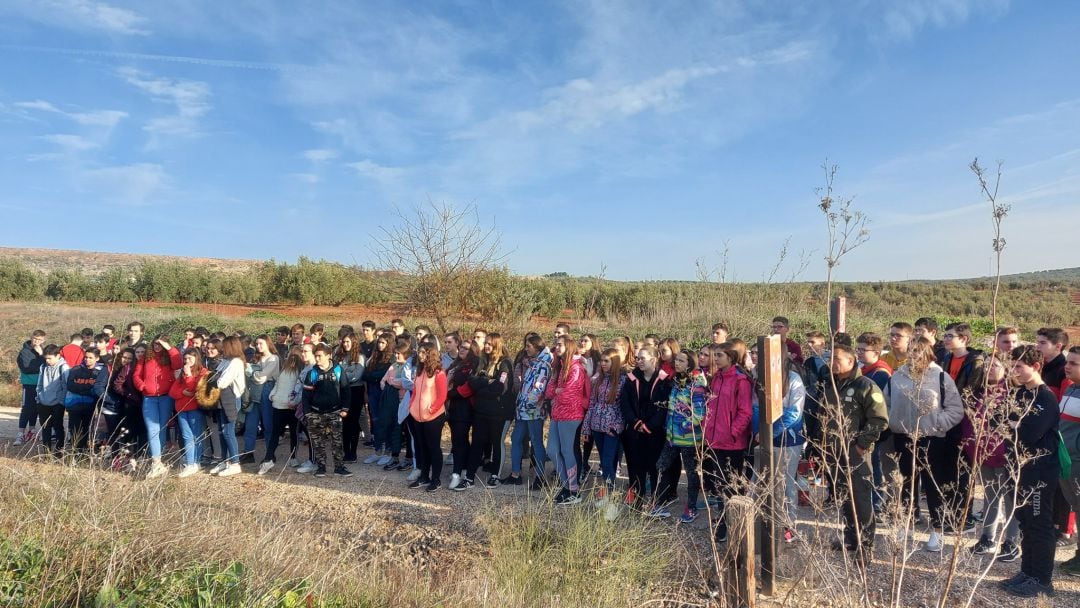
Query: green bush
x,y
19,282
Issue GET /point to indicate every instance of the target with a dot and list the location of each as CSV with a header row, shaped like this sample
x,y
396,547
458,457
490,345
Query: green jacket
x,y
862,410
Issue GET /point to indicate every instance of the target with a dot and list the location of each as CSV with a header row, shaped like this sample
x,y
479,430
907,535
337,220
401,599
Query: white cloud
x,y
320,155
80,15
902,20
92,118
37,104
72,143
190,98
307,178
375,171
134,185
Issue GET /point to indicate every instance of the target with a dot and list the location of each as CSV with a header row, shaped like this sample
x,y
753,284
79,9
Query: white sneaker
x,y
232,469
266,467
157,469
373,458
218,468
455,479
19,439
383,461
935,544
294,463
189,470
307,467
413,475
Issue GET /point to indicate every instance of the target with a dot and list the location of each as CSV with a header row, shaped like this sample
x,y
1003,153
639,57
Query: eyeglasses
x,y
949,336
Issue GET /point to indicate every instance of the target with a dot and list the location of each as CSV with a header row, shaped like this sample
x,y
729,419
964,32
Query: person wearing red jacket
x,y
569,391
188,416
153,378
728,416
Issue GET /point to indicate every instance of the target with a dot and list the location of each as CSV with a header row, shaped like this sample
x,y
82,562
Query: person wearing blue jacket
x,y
51,386
789,439
85,384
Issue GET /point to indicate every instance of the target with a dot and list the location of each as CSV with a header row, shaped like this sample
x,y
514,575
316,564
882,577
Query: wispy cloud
x,y
320,155
73,143
79,15
902,20
381,173
307,178
134,185
189,98
92,118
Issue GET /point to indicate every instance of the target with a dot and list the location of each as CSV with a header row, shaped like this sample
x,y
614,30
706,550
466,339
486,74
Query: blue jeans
x,y
157,411
788,458
561,443
228,437
535,431
28,417
608,448
191,430
263,412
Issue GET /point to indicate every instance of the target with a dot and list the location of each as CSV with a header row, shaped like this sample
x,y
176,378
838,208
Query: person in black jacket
x,y
30,361
1034,445
493,386
459,408
643,402
326,403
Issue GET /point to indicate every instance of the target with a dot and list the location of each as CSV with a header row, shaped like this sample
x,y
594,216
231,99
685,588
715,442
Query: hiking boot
x,y
1009,552
341,471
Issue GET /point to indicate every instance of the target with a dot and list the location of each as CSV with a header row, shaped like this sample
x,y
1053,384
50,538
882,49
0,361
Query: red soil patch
x,y
348,311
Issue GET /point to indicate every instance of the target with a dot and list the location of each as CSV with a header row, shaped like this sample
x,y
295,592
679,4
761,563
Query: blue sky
x,y
635,135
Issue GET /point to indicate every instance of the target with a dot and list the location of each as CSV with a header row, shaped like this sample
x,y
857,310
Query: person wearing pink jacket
x,y
569,391
728,416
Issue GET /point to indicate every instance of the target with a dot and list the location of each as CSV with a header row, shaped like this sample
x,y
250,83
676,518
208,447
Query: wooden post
x,y
772,355
838,314
740,584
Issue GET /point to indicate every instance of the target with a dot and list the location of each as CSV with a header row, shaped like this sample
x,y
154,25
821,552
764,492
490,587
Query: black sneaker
x,y
434,485
418,483
1009,552
570,498
1030,587
510,480
393,464
1013,580
561,495
982,547
321,471
247,459
464,484
406,465
537,485
492,482
341,471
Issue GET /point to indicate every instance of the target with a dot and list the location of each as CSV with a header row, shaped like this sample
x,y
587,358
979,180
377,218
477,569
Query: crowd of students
x,y
942,410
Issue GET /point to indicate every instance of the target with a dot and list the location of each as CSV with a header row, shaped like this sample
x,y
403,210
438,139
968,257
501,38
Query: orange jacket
x,y
428,396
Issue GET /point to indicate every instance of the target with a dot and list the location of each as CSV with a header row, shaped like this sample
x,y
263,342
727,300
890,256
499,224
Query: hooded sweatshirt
x,y
326,390
493,389
30,363
533,387
918,406
645,401
85,384
52,384
279,396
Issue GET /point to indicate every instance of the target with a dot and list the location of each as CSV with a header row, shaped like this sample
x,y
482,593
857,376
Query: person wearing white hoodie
x,y
923,406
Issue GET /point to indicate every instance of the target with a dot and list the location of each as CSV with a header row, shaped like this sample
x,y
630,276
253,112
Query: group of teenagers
x,y
939,411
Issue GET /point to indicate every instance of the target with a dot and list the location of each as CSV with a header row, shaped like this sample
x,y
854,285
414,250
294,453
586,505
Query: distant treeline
x,y
500,296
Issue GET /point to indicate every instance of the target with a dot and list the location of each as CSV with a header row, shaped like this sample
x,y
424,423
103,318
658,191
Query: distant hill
x,y
93,263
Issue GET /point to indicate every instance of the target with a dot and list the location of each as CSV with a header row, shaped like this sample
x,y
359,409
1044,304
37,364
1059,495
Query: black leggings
x,y
459,444
350,425
427,441
729,466
281,419
489,433
642,451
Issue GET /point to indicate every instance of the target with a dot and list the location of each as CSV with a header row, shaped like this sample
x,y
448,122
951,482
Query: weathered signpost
x,y
772,355
838,314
